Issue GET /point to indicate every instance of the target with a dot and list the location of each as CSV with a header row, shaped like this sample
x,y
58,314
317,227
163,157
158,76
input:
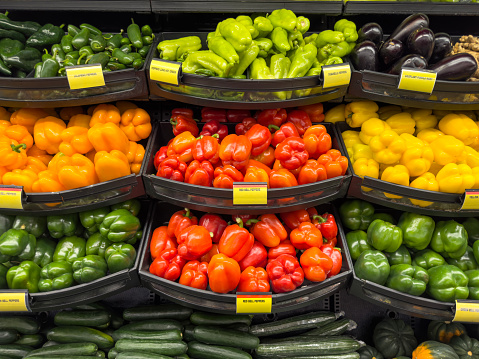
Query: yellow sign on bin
x,y
467,311
165,71
85,76
250,193
417,80
14,301
336,75
11,198
471,200
247,303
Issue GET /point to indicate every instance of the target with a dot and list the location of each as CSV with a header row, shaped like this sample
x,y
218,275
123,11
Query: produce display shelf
x,y
410,7
72,5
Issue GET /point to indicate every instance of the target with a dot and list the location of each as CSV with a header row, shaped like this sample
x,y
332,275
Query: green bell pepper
x,y
473,283
417,230
24,276
449,239
207,60
96,244
263,25
283,18
279,37
475,250
302,61
348,28
386,217
91,220
235,33
447,283
427,259
17,244
408,279
401,256
120,256
3,277
465,262
64,225
246,58
373,266
6,222
33,225
136,237
356,214
89,268
302,24
471,225
223,48
44,251
329,37
69,249
357,243
56,275
48,34
174,49
384,236
119,226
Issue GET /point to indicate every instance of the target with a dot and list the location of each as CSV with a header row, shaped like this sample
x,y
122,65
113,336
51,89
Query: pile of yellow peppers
x,y
420,148
45,151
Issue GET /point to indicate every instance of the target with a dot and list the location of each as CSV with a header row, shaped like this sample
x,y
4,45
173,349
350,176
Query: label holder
x,y
254,303
466,311
336,75
85,76
12,197
14,301
165,71
250,193
421,81
471,200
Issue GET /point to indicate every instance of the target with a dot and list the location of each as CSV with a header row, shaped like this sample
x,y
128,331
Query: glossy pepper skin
x,y
387,147
253,280
235,151
327,225
214,224
357,243
466,262
47,133
36,225
120,256
55,276
24,276
335,164
284,247
294,218
305,236
44,250
268,230
316,264
75,140
317,141
447,149
179,221
70,249
256,257
272,117
75,171
454,178
206,148
427,259
285,273
384,236
300,119
195,275
449,239
291,153
417,230
401,256
160,240
260,138
225,177
356,214
96,244
447,283
182,124
168,264
160,155
236,241
235,33
357,112
89,268
132,205
286,130
281,178
223,273
460,126
214,127
12,153
408,279
312,172
17,244
193,242
172,168
372,265
182,146
92,219
62,225
119,226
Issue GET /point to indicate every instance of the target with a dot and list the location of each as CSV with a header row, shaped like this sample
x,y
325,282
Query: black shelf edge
x,y
78,5
399,7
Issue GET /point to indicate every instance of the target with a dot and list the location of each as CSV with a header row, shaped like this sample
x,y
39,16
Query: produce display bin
x,y
226,303
408,7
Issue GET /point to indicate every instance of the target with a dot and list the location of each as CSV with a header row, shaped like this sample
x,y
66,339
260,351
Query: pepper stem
x,y
173,122
216,135
132,21
320,219
338,249
212,234
273,127
252,221
17,147
240,222
188,213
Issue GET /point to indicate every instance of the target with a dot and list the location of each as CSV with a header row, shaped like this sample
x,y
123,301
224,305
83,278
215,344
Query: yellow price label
x,y
247,303
250,193
16,301
467,311
11,198
336,75
471,200
416,80
85,76
165,71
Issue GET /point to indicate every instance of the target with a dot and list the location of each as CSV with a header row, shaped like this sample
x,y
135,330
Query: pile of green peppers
x,y
42,254
416,255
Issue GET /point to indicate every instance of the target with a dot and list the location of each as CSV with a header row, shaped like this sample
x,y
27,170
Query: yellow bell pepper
x,y
67,113
411,141
426,181
408,109
76,171
135,156
108,137
417,160
47,133
350,138
475,173
454,178
35,164
385,112
80,120
447,149
398,175
382,167
12,154
424,119
28,117
371,128
24,178
20,134
75,140
357,112
366,167
460,126
105,113
125,105
469,114
387,147
402,123
335,114
111,165
47,182
435,168
350,154
3,125
136,124
429,134
471,157
361,151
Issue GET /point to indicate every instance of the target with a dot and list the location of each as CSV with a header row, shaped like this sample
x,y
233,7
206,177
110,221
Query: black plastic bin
x,y
226,303
410,7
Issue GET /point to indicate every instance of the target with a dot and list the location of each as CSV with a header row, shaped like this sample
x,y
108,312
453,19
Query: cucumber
x,y
205,351
50,343
23,325
77,334
352,355
154,325
335,328
14,350
100,354
182,356
136,355
8,336
188,333
112,353
33,340
294,324
203,318
163,347
242,327
116,320
173,335
84,318
64,356
225,337
164,311
66,349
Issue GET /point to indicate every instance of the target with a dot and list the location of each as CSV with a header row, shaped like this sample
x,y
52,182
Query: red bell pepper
x,y
317,141
168,264
335,255
206,148
200,173
300,119
237,115
181,124
160,240
260,138
312,212
235,151
306,236
284,247
210,113
266,157
286,130
335,164
253,280
312,172
256,257
277,166
244,218
316,264
160,155
285,273
182,146
236,241
243,127
269,230
214,224
213,251
294,218
172,168
282,178
291,153
195,275
225,177
314,111
223,273
275,117
256,174
193,242
186,112
180,220
327,225
214,127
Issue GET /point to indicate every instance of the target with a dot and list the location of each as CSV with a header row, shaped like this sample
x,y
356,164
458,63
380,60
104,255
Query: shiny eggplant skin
x,y
442,47
371,31
421,42
391,51
410,24
457,67
409,61
365,56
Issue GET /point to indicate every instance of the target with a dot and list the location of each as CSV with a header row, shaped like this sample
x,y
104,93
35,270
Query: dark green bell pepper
x,y
69,249
473,284
356,214
417,230
3,277
449,239
465,262
132,205
136,237
119,226
96,244
386,217
33,225
89,268
120,256
427,259
357,243
471,225
475,251
24,276
384,236
91,220
56,275
408,279
447,283
6,223
373,266
401,256
64,225
44,251
17,244
48,34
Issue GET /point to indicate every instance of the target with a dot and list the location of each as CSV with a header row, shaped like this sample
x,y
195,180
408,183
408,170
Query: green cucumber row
x,y
78,334
160,347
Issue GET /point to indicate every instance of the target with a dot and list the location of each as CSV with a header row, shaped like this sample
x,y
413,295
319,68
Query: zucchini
x,y
173,335
14,350
8,336
294,324
84,318
205,351
352,355
137,355
164,311
188,333
23,325
203,318
335,328
50,343
154,325
225,337
163,347
66,349
33,340
76,334
112,353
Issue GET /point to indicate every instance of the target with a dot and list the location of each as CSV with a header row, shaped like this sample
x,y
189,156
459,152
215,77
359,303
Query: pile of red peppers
x,y
249,253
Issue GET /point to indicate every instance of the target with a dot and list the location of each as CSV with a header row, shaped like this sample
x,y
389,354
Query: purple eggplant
x,y
390,51
409,61
421,42
442,47
365,56
372,32
457,67
409,25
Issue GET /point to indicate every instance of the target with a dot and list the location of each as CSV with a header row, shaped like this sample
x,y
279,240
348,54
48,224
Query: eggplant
x,y
365,56
409,25
421,42
390,51
371,31
442,47
457,67
410,61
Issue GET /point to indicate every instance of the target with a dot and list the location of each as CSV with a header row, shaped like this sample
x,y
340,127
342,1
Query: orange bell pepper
x,y
4,114
312,172
80,120
316,265
256,174
67,113
195,275
47,182
213,251
20,134
75,171
105,113
235,151
47,133
42,155
307,235
200,173
135,156
24,178
111,165
256,164
3,125
108,137
236,241
125,105
91,155
295,218
161,240
182,147
335,164
136,124
254,280
3,170
226,176
36,165
277,166
12,154
58,161
28,117
282,178
317,141
75,140
193,242
266,158
268,230
223,274
292,153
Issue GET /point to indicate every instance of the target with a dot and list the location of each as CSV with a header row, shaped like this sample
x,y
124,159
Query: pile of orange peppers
x,y
281,148
47,151
255,254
